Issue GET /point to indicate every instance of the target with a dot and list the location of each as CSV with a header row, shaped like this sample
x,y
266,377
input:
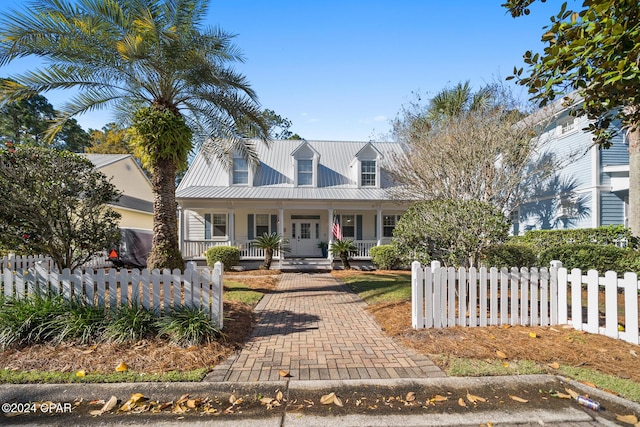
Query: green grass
x,y
8,376
462,367
624,387
239,292
376,288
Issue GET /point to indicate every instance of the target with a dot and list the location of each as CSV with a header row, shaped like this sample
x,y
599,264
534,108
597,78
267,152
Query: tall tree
x,y
112,139
465,146
278,126
154,63
593,51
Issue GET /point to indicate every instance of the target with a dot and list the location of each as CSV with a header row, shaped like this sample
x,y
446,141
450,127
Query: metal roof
x,y
274,179
102,160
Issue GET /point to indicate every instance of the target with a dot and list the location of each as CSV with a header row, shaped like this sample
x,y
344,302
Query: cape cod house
x,y
590,189
302,190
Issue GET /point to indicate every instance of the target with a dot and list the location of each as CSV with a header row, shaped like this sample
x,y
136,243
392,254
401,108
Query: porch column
x,y
330,235
232,226
181,229
379,226
281,232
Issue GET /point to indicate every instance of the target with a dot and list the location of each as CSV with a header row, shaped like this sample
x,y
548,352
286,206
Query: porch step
x,y
305,264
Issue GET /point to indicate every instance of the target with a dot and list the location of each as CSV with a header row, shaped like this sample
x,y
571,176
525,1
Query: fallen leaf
x,y
337,401
554,365
232,399
627,419
132,402
266,400
572,393
279,396
192,403
590,384
461,402
533,335
562,395
410,397
633,353
284,374
81,373
475,399
501,354
438,398
108,405
122,367
518,399
327,399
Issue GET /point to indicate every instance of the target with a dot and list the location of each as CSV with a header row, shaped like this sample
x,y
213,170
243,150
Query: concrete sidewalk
x,y
315,328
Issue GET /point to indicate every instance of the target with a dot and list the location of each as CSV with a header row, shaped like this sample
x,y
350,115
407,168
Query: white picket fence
x,y
443,297
22,262
160,291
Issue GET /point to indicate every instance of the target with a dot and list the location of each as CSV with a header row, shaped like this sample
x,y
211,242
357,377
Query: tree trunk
x,y
268,258
634,180
165,250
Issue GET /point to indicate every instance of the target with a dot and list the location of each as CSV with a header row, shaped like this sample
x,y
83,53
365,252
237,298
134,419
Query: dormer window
x,y
240,172
305,172
368,173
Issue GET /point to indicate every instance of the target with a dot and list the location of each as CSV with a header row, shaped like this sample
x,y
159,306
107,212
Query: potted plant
x,y
324,247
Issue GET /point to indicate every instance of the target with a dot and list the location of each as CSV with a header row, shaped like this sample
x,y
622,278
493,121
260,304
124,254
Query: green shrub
x,y
187,327
229,256
596,257
509,255
129,324
385,257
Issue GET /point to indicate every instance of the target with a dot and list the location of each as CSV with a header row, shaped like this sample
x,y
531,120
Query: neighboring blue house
x,y
300,190
590,189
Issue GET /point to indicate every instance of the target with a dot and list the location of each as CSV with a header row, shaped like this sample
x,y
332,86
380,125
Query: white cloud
x,y
380,118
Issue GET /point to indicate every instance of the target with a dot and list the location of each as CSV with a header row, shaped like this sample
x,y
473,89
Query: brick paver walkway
x,y
315,328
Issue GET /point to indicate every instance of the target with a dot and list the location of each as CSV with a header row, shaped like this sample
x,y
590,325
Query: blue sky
x,y
341,70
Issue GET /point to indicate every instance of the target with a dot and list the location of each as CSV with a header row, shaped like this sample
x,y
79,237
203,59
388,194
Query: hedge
x,y
385,257
229,256
509,255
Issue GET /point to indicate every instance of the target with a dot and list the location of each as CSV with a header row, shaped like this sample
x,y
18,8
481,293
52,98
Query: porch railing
x,y
364,246
197,248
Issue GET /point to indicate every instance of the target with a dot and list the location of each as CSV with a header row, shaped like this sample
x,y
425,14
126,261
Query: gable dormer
x,y
366,166
305,161
241,173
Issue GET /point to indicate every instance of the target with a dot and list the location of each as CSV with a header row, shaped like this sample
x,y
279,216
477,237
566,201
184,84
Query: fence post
x,y
417,295
631,308
218,272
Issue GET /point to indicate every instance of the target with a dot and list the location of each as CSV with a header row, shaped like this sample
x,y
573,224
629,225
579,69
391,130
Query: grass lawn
x,y
608,363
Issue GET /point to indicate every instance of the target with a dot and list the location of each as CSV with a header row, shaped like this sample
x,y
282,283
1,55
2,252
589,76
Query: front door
x,y
305,236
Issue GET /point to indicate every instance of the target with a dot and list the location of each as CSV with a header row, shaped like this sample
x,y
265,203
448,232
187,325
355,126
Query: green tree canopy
x,y
55,203
136,56
452,231
112,139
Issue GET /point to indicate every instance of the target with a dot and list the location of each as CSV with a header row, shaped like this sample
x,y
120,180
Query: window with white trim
x,y
388,224
368,173
348,224
215,225
305,172
240,172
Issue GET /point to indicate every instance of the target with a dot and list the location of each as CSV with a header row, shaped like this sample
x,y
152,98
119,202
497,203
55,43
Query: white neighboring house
x,y
300,190
135,204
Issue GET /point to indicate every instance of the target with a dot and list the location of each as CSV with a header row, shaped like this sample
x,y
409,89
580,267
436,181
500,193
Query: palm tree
x,y
344,249
451,103
149,61
270,243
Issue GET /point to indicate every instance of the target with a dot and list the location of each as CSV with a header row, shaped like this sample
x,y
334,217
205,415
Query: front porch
x,y
306,228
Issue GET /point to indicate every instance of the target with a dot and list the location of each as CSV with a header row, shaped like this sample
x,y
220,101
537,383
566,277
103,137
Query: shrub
x,y
343,249
229,256
129,324
596,257
509,255
187,327
385,257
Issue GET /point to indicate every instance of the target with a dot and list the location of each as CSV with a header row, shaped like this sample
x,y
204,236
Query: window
x,y
262,224
368,173
240,172
567,125
215,225
305,172
388,224
348,225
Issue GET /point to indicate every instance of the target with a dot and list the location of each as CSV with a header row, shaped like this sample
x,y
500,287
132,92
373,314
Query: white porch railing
x,y
364,246
444,297
197,248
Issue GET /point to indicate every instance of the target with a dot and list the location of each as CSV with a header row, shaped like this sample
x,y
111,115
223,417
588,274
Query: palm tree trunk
x,y
165,251
634,180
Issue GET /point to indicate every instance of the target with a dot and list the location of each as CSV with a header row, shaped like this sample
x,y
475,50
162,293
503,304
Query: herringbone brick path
x,y
316,329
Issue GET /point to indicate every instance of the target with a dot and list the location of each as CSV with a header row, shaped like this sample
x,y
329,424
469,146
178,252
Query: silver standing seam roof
x,y
274,179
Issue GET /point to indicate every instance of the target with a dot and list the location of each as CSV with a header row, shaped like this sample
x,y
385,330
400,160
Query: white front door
x,y
304,239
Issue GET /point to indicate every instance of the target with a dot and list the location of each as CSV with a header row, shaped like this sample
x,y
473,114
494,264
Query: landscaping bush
x,y
509,255
229,256
596,257
129,324
187,327
385,257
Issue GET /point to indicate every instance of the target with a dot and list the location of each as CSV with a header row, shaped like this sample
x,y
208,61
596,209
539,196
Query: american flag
x,y
337,232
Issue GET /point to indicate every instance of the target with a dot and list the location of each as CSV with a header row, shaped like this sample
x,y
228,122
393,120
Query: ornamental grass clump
x,y
187,327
